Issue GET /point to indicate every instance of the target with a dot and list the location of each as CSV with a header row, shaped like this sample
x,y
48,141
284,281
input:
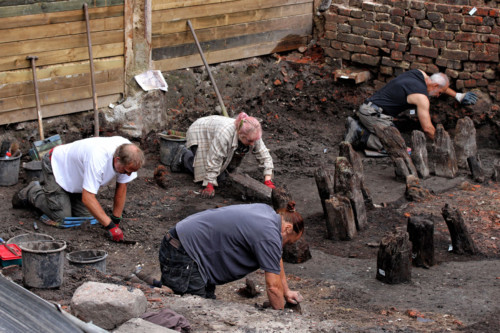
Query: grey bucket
x,y
29,238
9,169
33,170
89,258
43,263
168,147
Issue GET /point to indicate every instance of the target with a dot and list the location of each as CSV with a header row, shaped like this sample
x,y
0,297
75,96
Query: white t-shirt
x,y
87,164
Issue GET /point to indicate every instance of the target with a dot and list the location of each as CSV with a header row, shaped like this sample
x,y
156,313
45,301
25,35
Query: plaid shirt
x,y
217,140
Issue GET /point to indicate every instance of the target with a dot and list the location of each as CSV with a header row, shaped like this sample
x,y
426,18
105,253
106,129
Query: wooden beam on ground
x,y
250,188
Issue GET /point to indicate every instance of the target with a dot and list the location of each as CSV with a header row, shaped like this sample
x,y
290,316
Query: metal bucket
x,y
9,169
168,147
33,170
89,258
43,263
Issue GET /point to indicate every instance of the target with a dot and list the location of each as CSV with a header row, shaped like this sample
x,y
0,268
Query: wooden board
x,y
50,7
62,56
219,8
57,109
232,42
243,52
169,4
62,82
59,17
59,96
201,23
61,70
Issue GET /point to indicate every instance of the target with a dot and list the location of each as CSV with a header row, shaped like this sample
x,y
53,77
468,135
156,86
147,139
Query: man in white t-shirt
x,y
72,175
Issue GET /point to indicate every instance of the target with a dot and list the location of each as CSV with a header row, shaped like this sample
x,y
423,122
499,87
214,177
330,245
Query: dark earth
x,y
303,111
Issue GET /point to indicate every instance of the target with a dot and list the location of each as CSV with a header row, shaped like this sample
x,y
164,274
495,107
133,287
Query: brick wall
x,y
390,37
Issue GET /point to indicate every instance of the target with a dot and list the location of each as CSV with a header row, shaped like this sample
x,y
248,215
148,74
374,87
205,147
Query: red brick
x,y
389,27
434,17
344,28
455,55
344,11
336,45
467,27
470,66
415,40
369,16
459,84
386,35
417,65
451,73
489,74
400,38
424,51
359,48
365,59
418,32
483,29
453,45
464,75
350,38
411,58
397,20
386,61
338,54
427,42
493,39
425,60
408,21
431,68
483,56
443,35
382,17
425,24
376,42
330,35
440,44
417,5
470,83
374,51
356,13
445,9
467,37
397,12
361,23
452,27
455,64
386,70
417,14
396,55
453,18
476,75
397,46
441,62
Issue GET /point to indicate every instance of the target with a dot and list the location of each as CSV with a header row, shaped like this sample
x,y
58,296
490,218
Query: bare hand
x,y
293,297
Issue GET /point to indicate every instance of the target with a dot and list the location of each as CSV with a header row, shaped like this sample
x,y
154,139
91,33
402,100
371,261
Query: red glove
x,y
116,220
114,232
269,183
208,192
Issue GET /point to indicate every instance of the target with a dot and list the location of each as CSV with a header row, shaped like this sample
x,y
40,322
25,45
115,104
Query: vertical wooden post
x,y
465,141
421,232
324,181
461,240
445,161
394,258
419,154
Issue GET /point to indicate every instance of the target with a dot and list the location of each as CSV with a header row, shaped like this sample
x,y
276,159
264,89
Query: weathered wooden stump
x,y
476,168
461,240
419,154
415,191
465,141
345,185
421,233
394,258
444,160
299,251
324,181
395,146
346,150
340,221
250,188
496,170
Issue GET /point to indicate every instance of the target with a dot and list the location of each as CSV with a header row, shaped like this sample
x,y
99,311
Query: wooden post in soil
x,y
395,146
345,150
461,240
496,170
444,159
299,251
419,154
324,181
476,168
465,141
421,232
394,258
345,185
340,221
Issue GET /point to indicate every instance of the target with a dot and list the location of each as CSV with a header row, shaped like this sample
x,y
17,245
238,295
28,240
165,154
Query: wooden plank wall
x,y
55,32
226,29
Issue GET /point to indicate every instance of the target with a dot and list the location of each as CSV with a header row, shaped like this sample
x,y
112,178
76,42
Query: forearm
x,y
284,283
90,201
274,289
119,200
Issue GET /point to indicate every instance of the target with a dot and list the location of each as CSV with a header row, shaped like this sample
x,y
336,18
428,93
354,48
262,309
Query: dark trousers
x,y
179,272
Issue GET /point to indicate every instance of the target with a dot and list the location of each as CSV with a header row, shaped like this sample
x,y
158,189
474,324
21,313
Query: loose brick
x,y
484,66
451,73
374,51
386,70
434,17
470,83
482,83
389,27
396,55
425,60
356,13
417,14
418,32
426,42
445,9
453,18
476,75
442,35
455,55
464,75
467,37
365,59
425,24
397,46
376,42
489,74
424,51
354,47
386,35
386,61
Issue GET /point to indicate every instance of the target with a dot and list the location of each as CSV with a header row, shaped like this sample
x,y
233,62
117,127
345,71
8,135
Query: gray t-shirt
x,y
231,242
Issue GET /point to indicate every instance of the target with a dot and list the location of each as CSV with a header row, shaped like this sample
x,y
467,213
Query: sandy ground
x,y
303,124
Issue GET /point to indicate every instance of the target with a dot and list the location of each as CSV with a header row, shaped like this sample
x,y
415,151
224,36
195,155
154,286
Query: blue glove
x,y
468,98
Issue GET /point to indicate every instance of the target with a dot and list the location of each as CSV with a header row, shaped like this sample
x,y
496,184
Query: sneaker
x,y
353,130
20,198
177,165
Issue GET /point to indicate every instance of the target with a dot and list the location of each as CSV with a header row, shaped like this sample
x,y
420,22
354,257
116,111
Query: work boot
x,y
20,198
177,164
354,130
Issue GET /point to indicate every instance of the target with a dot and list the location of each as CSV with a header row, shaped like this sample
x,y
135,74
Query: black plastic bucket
x,y
168,147
29,238
43,263
9,169
89,258
33,170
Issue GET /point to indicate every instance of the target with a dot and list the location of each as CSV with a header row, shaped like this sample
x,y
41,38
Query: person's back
x,y
231,242
392,98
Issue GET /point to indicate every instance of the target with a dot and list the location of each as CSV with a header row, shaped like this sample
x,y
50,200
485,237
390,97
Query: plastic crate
x,y
7,258
42,147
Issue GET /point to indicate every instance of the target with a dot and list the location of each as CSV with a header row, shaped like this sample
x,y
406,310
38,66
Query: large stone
x,y
138,325
107,305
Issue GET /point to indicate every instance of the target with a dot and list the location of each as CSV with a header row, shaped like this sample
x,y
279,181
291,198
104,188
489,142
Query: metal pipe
x,y
221,102
91,59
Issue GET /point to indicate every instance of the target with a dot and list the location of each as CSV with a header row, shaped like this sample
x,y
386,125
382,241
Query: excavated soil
x,y
303,111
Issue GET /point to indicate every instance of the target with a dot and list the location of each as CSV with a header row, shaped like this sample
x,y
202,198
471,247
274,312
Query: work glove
x,y
469,98
269,183
114,232
208,192
116,220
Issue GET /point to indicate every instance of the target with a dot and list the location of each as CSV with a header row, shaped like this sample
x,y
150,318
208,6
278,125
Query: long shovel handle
x,y
37,97
91,60
221,102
